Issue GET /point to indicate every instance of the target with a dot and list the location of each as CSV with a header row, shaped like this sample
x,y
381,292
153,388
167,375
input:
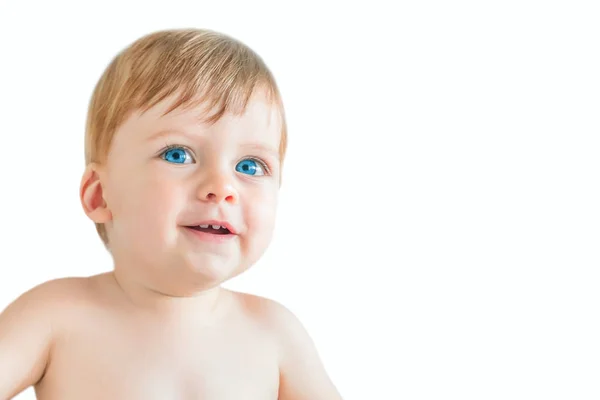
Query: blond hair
x,y
201,65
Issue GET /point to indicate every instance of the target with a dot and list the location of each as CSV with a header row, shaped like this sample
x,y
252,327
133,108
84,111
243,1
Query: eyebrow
x,y
263,147
254,146
162,133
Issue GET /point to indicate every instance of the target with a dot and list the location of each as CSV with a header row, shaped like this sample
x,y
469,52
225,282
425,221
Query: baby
x,y
185,140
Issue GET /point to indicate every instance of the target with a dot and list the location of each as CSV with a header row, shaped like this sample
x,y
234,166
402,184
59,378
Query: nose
x,y
218,187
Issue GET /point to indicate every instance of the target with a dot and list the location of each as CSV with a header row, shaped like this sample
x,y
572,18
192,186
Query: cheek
x,y
147,204
260,214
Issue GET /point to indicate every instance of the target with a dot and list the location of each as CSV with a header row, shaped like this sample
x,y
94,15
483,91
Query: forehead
x,y
260,121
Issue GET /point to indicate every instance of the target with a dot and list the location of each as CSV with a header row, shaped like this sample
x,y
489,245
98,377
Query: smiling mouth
x,y
214,229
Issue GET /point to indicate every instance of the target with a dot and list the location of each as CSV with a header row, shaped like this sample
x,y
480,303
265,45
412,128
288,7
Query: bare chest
x,y
112,362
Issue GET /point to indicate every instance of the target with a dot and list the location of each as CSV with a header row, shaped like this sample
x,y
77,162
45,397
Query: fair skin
x,y
160,326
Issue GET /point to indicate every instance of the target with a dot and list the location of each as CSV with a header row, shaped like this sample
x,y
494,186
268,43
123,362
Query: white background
x,y
439,223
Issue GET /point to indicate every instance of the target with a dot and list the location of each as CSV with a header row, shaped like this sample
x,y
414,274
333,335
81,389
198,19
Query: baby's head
x,y
186,129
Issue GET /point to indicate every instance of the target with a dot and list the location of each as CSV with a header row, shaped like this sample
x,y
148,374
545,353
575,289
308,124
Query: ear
x,y
91,194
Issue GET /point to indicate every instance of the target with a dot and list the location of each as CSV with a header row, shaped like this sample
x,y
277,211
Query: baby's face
x,y
168,177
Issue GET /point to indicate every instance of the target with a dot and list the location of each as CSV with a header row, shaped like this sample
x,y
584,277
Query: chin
x,y
211,269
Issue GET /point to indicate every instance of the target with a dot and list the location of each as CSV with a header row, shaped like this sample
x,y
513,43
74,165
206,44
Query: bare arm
x,y
25,339
302,374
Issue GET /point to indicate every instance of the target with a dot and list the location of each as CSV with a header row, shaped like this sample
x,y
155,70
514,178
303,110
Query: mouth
x,y
212,229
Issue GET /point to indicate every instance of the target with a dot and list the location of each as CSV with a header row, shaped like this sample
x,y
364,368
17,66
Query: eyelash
x,y
174,146
262,163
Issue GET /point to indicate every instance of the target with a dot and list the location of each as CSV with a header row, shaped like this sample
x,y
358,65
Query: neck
x,y
197,305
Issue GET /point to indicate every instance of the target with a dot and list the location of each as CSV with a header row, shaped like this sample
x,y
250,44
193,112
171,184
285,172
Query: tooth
x,y
216,226
204,226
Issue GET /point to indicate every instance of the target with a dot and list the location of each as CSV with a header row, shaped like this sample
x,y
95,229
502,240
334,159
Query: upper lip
x,y
224,224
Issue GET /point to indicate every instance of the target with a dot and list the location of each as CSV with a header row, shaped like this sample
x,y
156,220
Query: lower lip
x,y
210,237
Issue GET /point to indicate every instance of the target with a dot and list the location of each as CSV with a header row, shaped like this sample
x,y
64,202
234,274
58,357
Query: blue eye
x,y
249,167
177,155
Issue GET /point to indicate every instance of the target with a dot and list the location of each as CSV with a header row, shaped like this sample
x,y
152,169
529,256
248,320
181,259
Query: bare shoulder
x,y
274,319
302,373
43,298
45,304
28,328
269,313
257,306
